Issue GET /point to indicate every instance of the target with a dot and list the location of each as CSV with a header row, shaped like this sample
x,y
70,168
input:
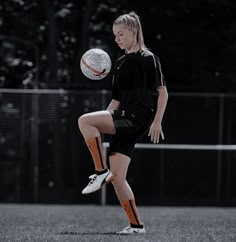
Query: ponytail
x,y
132,22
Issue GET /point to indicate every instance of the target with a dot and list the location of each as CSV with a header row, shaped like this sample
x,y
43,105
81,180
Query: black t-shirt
x,y
136,78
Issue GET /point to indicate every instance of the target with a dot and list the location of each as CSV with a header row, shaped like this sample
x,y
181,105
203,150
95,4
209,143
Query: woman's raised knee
x,y
83,120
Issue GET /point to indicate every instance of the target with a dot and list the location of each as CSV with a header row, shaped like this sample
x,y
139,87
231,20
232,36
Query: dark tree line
x,y
194,40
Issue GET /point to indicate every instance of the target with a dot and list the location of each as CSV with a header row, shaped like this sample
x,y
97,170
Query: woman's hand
x,y
155,132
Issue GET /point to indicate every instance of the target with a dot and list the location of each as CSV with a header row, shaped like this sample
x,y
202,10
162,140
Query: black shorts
x,y
130,126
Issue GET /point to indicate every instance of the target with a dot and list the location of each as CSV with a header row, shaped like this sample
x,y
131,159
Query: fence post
x,y
34,144
103,190
219,152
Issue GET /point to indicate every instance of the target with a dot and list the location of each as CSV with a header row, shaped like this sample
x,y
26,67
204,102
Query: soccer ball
x,y
95,64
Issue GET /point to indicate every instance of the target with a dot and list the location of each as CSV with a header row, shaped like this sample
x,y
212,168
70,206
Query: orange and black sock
x,y
95,148
132,213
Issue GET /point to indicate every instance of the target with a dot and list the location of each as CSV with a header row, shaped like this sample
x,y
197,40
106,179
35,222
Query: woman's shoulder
x,y
148,53
148,56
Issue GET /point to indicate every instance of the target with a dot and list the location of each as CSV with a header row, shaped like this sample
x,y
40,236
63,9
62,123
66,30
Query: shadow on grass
x,y
87,233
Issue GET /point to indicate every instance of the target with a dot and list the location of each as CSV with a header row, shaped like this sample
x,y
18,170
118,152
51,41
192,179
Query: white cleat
x,y
130,230
97,181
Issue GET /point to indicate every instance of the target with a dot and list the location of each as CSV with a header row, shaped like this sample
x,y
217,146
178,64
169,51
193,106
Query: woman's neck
x,y
134,48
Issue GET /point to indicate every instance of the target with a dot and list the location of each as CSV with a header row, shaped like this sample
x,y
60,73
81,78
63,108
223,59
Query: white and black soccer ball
x,y
95,64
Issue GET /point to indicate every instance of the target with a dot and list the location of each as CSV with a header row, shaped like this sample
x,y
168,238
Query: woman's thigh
x,y
102,120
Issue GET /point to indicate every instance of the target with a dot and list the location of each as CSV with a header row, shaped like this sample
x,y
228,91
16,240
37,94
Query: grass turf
x,y
96,223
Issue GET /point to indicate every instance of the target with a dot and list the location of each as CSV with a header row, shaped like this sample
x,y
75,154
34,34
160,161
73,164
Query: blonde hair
x,y
132,22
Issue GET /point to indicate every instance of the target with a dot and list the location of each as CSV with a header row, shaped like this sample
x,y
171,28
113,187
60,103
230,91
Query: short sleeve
x,y
154,71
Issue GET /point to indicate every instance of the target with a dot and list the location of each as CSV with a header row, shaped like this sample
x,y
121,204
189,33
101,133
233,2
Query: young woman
x,y
130,114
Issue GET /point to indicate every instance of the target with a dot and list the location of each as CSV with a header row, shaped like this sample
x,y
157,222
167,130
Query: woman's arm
x,y
155,129
114,104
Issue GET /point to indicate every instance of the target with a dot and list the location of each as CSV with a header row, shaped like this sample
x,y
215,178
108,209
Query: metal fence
x,y
43,157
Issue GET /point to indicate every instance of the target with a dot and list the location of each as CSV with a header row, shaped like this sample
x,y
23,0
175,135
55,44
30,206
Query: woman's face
x,y
124,38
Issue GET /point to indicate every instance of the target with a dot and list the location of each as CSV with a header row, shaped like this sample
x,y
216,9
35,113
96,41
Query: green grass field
x,y
97,223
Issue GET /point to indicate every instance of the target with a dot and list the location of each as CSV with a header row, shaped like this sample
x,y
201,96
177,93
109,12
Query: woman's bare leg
x,y
119,164
91,125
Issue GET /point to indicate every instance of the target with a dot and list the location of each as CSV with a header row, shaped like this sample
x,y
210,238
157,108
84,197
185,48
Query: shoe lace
x,y
93,179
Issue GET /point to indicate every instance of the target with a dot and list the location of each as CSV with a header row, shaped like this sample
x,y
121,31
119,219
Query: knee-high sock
x,y
131,212
95,147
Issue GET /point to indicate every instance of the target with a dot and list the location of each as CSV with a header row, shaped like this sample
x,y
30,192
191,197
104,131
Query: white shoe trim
x,y
97,181
130,230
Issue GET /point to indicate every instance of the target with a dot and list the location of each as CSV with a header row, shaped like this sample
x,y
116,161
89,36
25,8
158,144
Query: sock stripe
x,y
99,152
134,213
